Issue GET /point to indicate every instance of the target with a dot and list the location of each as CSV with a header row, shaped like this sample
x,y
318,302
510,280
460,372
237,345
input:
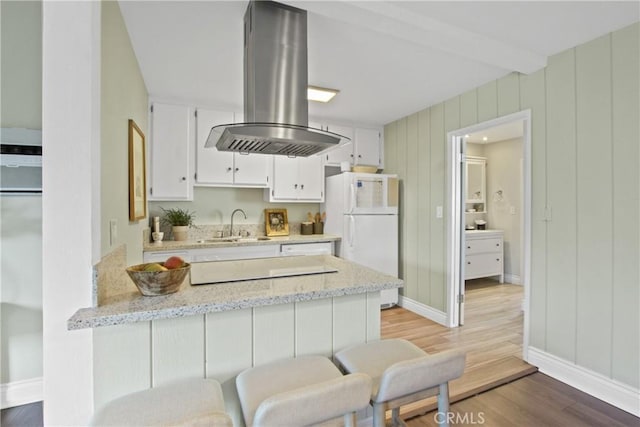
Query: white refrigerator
x,y
362,209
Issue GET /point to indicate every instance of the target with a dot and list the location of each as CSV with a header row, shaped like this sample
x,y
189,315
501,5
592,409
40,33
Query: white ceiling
x,y
387,58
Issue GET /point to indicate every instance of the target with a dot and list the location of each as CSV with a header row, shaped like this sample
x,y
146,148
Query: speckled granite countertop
x,y
350,279
172,245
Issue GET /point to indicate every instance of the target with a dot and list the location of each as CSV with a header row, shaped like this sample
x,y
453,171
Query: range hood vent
x,y
275,88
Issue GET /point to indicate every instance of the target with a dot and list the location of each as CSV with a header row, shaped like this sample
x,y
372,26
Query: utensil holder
x,y
318,228
306,228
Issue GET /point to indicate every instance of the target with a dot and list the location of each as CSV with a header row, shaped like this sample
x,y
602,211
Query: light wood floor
x,y
533,401
491,338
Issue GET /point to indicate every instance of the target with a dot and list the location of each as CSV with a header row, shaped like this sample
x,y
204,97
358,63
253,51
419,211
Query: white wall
x,y
21,225
504,172
71,171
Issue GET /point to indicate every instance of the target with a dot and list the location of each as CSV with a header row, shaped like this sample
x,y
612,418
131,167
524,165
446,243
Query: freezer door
x,y
372,240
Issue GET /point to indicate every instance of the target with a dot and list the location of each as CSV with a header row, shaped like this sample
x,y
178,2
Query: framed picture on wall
x,y
276,222
137,174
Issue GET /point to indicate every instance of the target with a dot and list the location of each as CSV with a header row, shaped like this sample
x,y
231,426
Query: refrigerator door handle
x,y
352,233
352,202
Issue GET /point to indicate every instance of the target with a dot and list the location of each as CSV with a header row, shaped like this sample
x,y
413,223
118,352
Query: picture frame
x,y
137,173
276,222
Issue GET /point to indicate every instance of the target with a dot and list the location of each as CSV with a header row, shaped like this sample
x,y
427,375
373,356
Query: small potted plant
x,y
180,220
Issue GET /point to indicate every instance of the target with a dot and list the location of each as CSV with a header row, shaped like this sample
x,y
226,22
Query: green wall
x,y
585,280
123,97
213,206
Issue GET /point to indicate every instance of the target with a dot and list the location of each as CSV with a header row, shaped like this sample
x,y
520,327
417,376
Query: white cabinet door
x,y
225,168
251,169
285,178
297,179
367,147
344,153
212,166
171,142
310,178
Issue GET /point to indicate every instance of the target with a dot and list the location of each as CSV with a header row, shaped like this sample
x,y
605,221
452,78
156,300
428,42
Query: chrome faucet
x,y
234,212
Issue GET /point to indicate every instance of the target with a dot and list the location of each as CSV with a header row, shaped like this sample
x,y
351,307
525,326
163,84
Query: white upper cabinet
x,y
170,161
223,168
367,147
344,153
298,179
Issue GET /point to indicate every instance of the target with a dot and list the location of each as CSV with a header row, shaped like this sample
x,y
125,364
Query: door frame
x,y
454,222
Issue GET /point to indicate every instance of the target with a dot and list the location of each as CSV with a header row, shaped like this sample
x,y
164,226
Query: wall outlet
x,y
438,211
113,231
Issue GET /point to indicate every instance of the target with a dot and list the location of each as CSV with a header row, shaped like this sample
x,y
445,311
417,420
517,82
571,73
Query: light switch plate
x,y
438,211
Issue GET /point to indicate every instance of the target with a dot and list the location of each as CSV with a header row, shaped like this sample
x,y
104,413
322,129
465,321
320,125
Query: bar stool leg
x,y
350,420
379,415
395,418
443,404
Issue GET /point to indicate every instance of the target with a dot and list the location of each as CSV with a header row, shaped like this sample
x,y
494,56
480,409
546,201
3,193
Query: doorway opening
x,y
488,229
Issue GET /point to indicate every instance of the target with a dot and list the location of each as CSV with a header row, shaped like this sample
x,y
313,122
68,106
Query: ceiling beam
x,y
393,20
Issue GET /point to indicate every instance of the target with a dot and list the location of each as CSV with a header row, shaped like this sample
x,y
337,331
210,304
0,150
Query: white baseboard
x,y
423,310
20,392
513,279
617,394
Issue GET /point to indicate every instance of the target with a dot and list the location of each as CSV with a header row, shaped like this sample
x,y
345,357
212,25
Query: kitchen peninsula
x,y
218,330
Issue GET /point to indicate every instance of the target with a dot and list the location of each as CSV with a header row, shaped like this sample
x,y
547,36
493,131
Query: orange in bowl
x,y
153,279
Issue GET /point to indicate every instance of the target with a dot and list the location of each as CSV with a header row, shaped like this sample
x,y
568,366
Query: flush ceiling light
x,y
320,94
484,138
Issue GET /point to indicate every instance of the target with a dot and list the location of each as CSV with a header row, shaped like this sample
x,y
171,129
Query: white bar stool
x,y
193,403
402,373
301,391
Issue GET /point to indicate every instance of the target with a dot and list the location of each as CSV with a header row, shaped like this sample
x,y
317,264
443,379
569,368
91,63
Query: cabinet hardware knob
x,y
184,178
468,247
351,155
497,244
359,156
468,262
237,169
302,186
295,186
497,259
228,169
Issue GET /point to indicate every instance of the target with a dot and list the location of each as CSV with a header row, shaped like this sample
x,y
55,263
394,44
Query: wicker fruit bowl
x,y
153,283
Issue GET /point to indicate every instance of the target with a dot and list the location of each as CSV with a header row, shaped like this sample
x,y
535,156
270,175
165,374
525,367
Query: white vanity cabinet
x,y
224,168
170,145
484,254
296,179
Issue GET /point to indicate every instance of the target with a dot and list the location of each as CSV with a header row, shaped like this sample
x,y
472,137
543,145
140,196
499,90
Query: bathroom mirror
x,y
476,180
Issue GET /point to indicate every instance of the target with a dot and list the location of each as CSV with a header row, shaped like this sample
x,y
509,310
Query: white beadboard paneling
x,y
178,349
373,316
273,333
593,222
123,368
625,360
349,324
313,327
229,341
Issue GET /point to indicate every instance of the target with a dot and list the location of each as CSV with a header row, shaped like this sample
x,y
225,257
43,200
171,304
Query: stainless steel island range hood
x,y
275,88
